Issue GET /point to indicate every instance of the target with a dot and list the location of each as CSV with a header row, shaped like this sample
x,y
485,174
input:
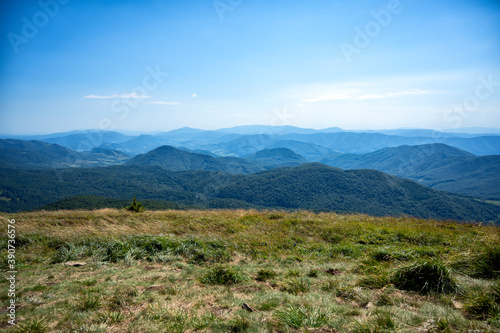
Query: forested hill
x,y
174,159
316,186
438,166
309,186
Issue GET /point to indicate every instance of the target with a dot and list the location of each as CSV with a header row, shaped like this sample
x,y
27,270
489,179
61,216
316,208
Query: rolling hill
x,y
174,159
435,165
308,186
277,157
42,155
318,187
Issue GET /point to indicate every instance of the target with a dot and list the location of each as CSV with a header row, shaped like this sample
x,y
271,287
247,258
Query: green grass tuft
x,y
34,325
265,274
425,277
223,275
481,305
296,286
302,316
487,264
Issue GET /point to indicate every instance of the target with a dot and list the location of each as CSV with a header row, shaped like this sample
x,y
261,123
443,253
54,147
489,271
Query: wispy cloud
x,y
194,95
165,103
350,96
123,96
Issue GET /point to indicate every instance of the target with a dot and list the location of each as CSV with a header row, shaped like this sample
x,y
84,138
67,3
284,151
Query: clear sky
x,y
160,65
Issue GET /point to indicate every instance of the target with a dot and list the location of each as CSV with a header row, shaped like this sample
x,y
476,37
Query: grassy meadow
x,y
191,271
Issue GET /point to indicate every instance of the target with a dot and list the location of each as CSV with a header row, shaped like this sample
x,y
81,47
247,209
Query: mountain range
x,y
246,140
260,167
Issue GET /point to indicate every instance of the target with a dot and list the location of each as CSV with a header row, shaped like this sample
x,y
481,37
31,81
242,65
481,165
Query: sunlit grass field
x,y
191,271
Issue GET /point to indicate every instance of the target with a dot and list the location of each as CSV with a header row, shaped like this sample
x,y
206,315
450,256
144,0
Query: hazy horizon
x,y
155,66
464,130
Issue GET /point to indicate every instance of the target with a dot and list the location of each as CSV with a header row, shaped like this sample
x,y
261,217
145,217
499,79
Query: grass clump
x,y
487,264
302,316
223,275
296,286
88,302
239,324
481,305
265,274
374,281
425,277
34,325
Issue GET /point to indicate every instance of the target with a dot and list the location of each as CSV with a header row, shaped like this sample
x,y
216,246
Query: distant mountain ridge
x,y
228,141
42,155
435,165
277,157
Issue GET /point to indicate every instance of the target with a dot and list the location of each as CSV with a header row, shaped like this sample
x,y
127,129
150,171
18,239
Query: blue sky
x,y
161,65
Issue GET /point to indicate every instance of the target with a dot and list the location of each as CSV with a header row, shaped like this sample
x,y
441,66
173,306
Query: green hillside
x,y
277,157
174,159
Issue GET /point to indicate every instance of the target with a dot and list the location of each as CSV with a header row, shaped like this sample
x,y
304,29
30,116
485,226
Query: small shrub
x,y
425,277
136,207
265,274
223,275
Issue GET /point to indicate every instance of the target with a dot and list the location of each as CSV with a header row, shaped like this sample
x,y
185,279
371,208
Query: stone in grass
x,y
75,263
333,271
247,307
